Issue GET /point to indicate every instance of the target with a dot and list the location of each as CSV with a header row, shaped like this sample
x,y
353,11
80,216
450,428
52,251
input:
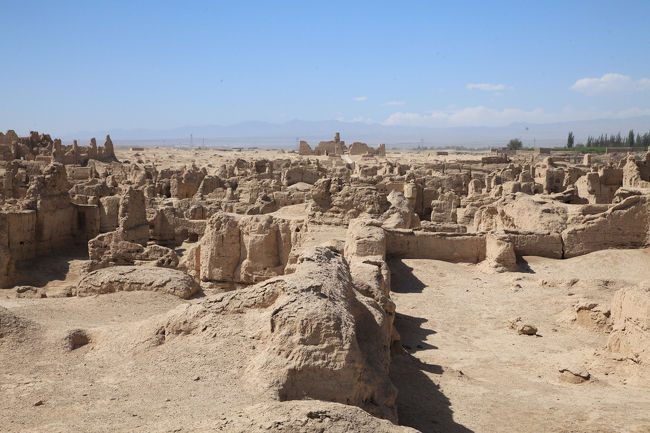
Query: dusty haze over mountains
x,y
283,135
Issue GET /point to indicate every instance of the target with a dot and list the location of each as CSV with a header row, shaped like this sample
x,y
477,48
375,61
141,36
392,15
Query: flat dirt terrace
x,y
466,371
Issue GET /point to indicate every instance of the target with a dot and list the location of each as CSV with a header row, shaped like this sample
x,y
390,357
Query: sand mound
x,y
14,330
129,278
306,417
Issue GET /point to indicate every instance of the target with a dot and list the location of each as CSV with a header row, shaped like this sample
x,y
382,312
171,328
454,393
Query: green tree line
x,y
605,140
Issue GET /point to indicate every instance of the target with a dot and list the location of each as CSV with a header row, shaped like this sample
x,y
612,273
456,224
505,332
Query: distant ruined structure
x,y
636,174
41,147
38,215
337,147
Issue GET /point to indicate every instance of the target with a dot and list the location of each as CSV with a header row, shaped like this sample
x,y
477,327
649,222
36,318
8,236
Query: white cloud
x,y
362,119
610,83
360,98
606,83
483,116
393,103
487,87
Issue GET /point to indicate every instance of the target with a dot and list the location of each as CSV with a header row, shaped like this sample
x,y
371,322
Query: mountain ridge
x,y
287,134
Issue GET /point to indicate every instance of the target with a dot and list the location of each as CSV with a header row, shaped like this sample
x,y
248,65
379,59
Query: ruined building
x,y
41,147
338,147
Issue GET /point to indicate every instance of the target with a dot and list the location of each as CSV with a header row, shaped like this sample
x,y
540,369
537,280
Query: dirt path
x,y
465,370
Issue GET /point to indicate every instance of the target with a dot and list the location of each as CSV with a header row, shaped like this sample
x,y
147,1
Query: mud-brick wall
x,y
21,234
468,248
528,243
109,208
624,225
55,228
6,262
87,222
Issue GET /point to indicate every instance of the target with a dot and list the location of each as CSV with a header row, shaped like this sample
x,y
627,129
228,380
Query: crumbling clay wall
x,y
624,225
452,247
244,249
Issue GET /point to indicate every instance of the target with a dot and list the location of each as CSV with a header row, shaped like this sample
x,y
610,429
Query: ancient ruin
x,y
328,289
337,147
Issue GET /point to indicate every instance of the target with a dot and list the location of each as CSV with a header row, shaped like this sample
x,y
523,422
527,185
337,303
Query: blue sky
x,y
70,66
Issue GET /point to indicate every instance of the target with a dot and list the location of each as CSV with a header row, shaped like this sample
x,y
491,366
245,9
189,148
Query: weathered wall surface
x,y
631,323
317,337
21,231
468,248
245,249
7,271
624,225
544,244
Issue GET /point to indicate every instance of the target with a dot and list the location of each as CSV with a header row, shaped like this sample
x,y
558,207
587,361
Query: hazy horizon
x,y
286,134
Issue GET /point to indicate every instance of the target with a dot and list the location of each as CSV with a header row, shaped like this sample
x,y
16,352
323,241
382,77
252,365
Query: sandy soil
x,y
466,370
114,383
211,159
463,369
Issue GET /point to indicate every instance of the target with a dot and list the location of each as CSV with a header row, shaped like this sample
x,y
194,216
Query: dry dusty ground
x,y
464,369
467,371
114,383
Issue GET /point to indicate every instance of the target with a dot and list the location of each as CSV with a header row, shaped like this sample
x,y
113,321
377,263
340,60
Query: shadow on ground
x,y
523,266
413,334
402,278
40,271
420,402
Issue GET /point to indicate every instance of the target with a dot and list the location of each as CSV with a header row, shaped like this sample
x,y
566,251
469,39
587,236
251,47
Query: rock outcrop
x,y
333,202
310,416
630,312
130,278
321,339
244,249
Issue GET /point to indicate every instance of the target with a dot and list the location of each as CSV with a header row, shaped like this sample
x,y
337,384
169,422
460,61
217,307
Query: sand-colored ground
x,y
463,368
467,371
112,383
172,157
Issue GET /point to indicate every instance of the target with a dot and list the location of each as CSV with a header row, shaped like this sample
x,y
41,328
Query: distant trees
x,y
618,141
515,144
569,140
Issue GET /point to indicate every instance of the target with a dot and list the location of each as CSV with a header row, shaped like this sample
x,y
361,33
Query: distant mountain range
x,y
286,135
